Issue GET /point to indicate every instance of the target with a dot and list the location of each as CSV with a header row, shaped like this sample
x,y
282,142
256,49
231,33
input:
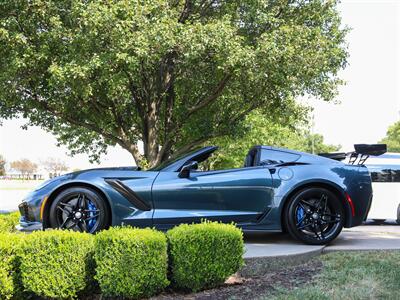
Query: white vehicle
x,y
385,175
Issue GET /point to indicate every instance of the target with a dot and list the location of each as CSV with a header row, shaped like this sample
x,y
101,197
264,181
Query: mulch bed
x,y
255,287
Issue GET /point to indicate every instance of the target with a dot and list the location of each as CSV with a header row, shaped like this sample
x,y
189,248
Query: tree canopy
x,y
392,139
261,130
171,73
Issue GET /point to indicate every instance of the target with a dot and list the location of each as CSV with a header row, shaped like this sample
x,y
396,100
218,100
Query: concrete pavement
x,y
266,252
366,237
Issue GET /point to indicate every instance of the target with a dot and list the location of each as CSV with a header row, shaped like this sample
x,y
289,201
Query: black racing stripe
x,y
130,195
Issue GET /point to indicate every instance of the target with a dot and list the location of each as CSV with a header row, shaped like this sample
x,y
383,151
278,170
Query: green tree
x,y
262,130
2,165
170,73
392,139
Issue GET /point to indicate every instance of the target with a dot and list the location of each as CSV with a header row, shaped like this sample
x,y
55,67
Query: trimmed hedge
x,y
126,262
9,285
8,221
131,262
204,255
56,264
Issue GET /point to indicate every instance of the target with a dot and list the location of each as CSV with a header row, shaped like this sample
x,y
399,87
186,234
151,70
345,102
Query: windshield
x,y
172,160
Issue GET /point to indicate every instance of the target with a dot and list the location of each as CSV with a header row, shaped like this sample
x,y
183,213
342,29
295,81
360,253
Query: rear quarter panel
x,y
354,180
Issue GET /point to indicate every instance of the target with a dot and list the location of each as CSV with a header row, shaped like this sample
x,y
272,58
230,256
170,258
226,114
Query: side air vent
x,y
127,193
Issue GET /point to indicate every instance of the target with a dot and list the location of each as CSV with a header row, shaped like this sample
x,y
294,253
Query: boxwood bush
x,y
131,262
56,264
204,255
8,221
9,283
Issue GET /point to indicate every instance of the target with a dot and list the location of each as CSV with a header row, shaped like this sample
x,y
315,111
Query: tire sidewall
x,y
89,193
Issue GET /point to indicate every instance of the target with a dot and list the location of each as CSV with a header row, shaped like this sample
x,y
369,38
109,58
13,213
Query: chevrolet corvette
x,y
312,197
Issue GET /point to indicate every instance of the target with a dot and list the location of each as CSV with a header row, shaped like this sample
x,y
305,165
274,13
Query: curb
x,y
260,266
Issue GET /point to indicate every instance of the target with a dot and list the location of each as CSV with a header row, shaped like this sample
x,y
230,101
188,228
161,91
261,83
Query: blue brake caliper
x,y
92,208
299,215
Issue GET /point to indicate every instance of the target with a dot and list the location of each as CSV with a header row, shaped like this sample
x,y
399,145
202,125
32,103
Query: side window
x,y
275,156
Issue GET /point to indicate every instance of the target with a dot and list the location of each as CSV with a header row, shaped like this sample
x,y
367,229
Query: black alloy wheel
x,y
314,216
79,209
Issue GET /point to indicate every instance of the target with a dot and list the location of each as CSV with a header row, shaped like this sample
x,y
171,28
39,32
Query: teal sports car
x,y
310,196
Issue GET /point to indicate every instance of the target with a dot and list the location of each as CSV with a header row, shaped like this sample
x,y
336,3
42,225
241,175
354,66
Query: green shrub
x,y
204,255
8,221
131,262
9,284
56,264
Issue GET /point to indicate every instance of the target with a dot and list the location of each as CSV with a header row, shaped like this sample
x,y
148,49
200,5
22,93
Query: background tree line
x,y
392,138
27,168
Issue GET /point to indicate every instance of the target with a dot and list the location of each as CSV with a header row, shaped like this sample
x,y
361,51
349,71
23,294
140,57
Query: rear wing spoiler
x,y
361,153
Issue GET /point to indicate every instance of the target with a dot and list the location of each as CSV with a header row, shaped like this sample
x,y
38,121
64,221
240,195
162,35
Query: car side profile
x,y
312,197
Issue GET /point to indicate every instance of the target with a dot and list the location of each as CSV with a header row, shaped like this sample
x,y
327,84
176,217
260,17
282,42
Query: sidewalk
x,y
266,252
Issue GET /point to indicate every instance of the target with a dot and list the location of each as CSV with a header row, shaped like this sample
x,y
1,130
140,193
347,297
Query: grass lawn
x,y
351,275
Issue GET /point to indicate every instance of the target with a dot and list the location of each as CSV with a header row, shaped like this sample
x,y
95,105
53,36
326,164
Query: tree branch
x,y
186,11
212,97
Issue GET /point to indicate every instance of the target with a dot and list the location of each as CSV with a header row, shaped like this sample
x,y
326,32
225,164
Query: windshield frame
x,y
175,164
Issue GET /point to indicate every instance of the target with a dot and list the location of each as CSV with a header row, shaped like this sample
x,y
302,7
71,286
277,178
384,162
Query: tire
x,y
379,221
79,209
398,215
314,216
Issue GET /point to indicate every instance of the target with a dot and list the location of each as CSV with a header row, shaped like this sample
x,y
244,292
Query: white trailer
x,y
385,175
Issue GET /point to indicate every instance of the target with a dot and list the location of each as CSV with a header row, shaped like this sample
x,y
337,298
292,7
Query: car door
x,y
237,195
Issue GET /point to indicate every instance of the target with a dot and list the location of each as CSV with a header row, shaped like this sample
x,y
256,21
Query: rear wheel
x,y
379,221
80,209
314,216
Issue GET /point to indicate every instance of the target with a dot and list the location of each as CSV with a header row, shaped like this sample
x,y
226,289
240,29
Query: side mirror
x,y
185,170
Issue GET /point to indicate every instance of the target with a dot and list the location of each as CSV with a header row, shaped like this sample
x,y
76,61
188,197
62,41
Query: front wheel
x,y
79,209
314,216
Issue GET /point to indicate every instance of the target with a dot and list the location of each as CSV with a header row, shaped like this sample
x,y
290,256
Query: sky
x,y
366,105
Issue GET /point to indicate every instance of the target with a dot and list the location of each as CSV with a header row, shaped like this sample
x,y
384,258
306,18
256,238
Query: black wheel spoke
x,y
92,217
321,200
322,231
316,232
302,206
330,215
72,225
308,204
82,226
331,221
326,205
65,222
81,203
66,204
64,210
303,226
92,210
